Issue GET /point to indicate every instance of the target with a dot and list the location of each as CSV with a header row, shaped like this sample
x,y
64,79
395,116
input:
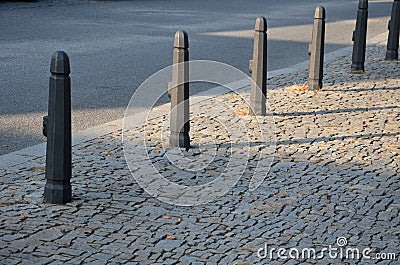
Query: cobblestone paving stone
x,y
335,173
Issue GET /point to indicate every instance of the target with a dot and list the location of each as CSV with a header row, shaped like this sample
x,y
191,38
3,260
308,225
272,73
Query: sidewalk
x,y
335,173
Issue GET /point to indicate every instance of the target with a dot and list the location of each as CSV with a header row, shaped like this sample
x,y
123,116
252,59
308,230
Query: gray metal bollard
x,y
178,91
258,68
316,50
360,38
57,128
392,52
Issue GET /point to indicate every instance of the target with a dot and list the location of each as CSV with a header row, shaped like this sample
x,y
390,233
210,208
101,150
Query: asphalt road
x,y
115,45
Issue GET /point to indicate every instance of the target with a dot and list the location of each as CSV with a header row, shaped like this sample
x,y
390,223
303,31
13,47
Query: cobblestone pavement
x,y
335,173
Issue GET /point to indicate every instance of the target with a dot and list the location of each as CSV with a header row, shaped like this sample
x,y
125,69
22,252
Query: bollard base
x,y
392,55
258,108
57,192
178,139
357,68
314,84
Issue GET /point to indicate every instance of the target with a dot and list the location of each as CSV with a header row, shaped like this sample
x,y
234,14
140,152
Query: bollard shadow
x,y
300,141
335,111
335,138
350,90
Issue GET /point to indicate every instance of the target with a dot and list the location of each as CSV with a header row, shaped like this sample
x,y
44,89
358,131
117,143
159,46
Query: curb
x,y
37,151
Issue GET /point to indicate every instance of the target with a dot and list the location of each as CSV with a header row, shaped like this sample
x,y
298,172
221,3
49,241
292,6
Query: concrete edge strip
x,y
32,152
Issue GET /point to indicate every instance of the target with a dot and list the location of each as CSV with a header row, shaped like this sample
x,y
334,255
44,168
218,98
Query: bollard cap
x,y
60,63
261,24
319,12
181,40
363,4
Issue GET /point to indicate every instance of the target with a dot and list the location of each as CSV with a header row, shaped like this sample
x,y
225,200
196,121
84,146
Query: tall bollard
x,y
258,68
360,38
178,91
316,50
57,128
392,52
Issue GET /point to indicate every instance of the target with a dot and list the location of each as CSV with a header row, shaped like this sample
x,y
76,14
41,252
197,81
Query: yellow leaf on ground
x,y
318,161
242,112
169,237
297,88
